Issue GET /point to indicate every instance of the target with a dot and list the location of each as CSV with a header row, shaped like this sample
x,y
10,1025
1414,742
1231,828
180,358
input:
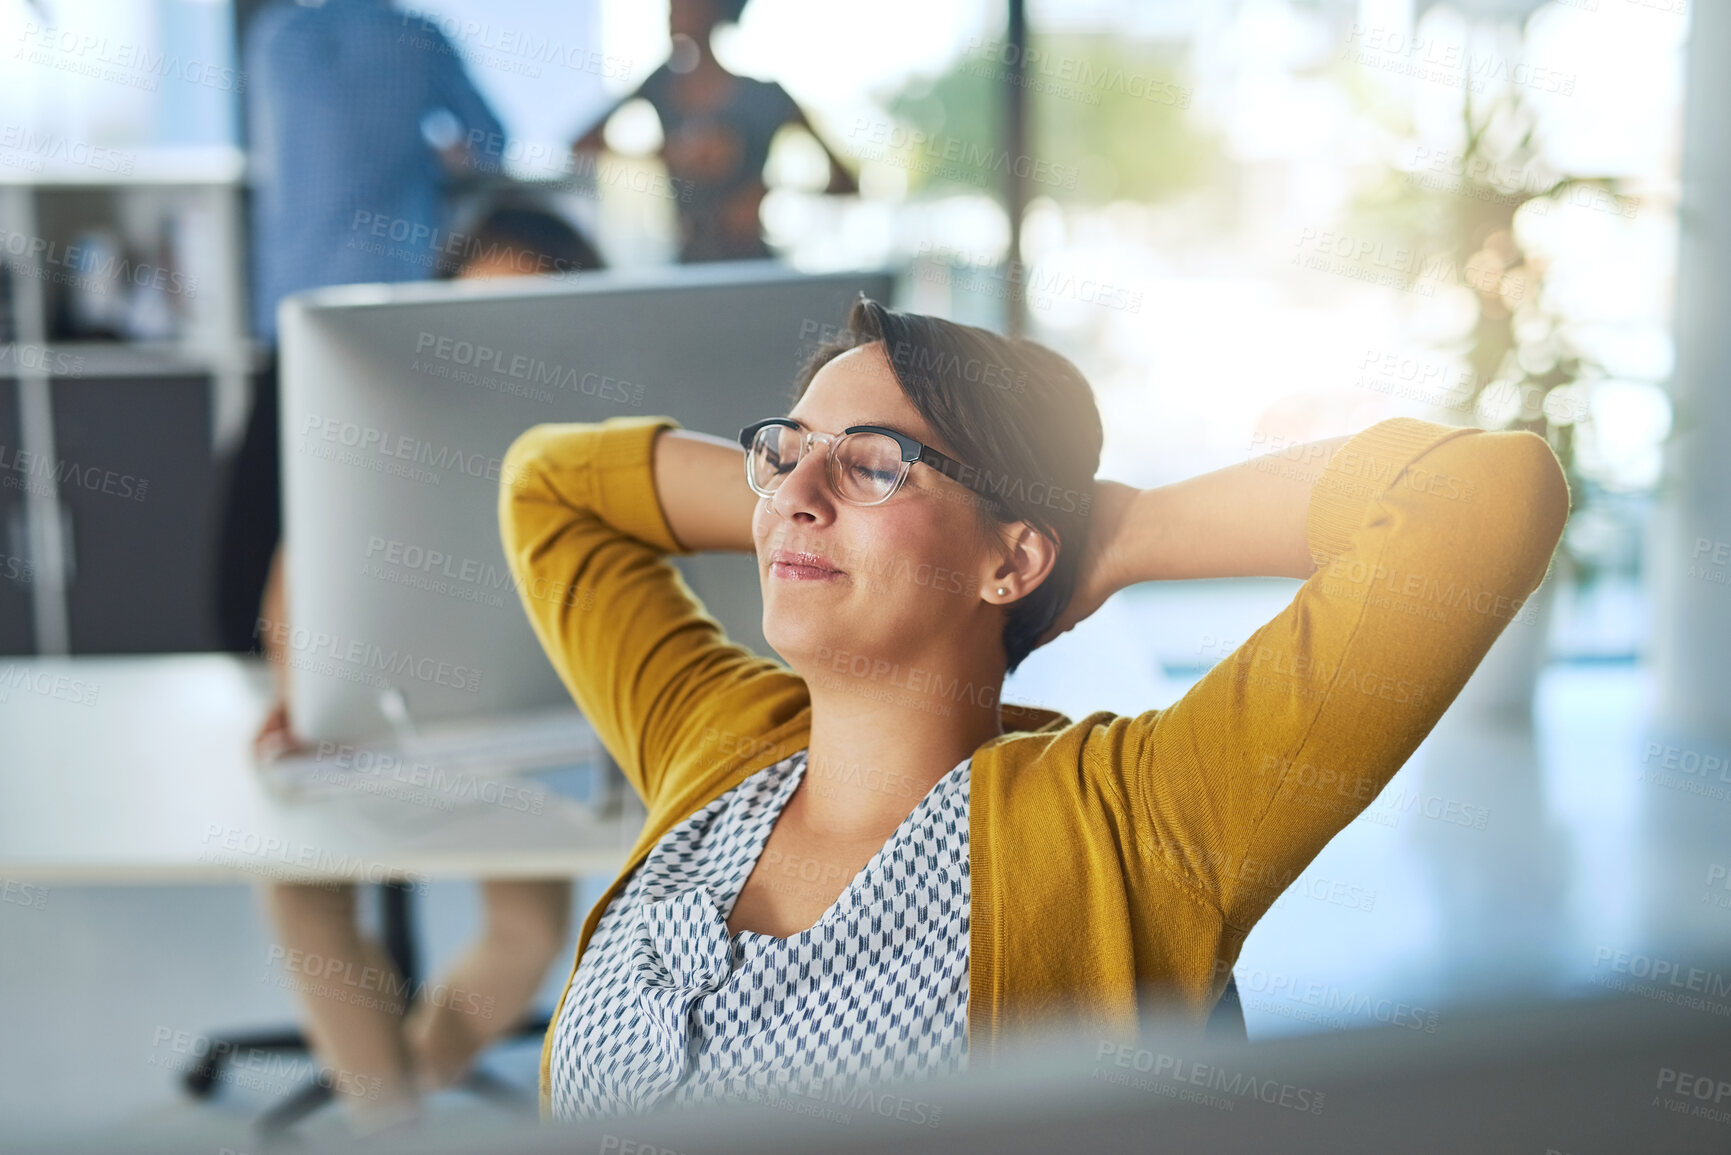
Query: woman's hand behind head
x,y
1102,572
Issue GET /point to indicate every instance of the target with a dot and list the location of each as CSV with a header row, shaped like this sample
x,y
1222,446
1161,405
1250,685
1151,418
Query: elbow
x,y
1540,486
517,467
1520,503
520,485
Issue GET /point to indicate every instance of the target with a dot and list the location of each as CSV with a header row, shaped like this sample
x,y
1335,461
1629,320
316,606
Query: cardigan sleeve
x,y
586,540
1427,541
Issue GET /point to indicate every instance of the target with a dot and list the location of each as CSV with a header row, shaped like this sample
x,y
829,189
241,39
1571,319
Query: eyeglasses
x,y
865,465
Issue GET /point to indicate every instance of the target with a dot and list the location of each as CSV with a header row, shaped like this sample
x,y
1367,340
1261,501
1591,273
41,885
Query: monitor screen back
x,y
397,406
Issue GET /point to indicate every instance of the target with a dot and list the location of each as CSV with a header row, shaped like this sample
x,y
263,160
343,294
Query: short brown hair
x,y
1014,410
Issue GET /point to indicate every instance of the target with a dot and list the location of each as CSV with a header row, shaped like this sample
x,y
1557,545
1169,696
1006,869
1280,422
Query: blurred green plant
x,y
1458,211
1114,118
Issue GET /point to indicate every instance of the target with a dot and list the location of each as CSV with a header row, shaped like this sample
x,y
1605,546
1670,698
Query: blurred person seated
x,y
404,1051
716,132
519,237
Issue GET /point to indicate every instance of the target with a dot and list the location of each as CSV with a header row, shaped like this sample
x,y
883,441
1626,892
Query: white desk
x,y
139,770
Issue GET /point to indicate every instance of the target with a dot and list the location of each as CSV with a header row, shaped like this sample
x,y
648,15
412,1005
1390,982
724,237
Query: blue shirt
x,y
346,189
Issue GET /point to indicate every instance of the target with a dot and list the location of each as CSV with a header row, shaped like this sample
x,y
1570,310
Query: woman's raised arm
x,y
1246,520
700,483
1420,544
586,533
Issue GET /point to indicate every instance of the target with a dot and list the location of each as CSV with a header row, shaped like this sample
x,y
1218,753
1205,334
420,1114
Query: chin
x,y
799,637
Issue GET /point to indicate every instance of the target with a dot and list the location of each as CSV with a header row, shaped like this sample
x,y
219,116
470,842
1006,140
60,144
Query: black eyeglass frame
x,y
912,451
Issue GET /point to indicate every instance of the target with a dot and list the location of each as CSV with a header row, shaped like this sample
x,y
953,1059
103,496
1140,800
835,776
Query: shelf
x,y
105,360
143,167
203,189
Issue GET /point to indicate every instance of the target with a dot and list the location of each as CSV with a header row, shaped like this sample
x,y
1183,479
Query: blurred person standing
x,y
357,115
716,132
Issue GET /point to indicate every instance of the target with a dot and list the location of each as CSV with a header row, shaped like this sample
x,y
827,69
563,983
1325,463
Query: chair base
x,y
399,941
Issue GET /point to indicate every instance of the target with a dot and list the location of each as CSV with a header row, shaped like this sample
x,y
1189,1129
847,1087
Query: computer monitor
x,y
398,404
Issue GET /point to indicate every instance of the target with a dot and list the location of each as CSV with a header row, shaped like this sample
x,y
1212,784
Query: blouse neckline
x,y
750,942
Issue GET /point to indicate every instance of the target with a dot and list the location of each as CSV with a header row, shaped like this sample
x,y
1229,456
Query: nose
x,y
805,490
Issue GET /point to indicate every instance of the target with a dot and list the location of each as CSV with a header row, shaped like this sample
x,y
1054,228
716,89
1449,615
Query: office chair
x,y
398,931
1226,1020
399,942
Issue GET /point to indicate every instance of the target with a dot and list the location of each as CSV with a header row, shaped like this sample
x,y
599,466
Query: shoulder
x,y
1045,763
771,98
655,86
274,23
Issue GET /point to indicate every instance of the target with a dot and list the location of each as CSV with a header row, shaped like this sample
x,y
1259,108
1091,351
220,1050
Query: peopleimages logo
x,y
359,766
269,853
33,895
86,265
62,687
522,367
39,146
367,440
1664,980
253,1068
1323,1003
1075,76
42,359
531,46
361,659
953,157
864,1098
466,578
103,58
39,473
1174,1069
1695,1094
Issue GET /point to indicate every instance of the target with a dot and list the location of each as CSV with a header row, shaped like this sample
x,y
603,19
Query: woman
x,y
858,864
716,130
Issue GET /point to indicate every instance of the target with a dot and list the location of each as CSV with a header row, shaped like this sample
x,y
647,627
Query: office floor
x,y
1503,859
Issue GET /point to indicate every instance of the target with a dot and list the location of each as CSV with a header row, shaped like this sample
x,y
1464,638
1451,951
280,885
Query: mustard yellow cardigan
x,y
1117,862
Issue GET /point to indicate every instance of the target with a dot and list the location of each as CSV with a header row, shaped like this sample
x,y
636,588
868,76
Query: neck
x,y
692,54
872,758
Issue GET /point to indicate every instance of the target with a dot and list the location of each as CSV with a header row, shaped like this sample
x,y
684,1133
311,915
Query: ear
x,y
1027,557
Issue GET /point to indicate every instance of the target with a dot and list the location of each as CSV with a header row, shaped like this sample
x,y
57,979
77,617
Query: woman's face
x,y
911,574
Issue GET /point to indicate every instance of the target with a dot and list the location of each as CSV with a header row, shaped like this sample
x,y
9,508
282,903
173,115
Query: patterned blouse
x,y
667,1007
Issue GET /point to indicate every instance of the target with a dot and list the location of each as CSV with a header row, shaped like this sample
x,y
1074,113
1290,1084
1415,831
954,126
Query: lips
x,y
794,563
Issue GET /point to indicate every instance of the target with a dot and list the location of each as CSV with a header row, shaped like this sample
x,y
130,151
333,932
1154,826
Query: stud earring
x,y
1002,591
